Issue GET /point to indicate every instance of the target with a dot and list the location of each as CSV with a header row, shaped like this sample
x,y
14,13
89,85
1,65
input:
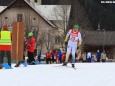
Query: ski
x,y
21,62
69,67
65,66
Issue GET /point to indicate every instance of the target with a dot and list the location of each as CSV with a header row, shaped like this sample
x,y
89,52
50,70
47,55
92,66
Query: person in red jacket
x,y
63,57
48,57
57,58
30,47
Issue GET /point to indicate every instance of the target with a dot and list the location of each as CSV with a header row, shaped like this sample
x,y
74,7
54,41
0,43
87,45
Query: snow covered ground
x,y
86,74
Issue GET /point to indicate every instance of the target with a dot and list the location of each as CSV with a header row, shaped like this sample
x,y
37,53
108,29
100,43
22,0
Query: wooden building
x,y
33,19
100,40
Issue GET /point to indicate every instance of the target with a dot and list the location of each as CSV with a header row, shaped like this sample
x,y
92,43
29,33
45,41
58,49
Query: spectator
x,y
48,57
63,57
56,55
5,44
84,57
89,57
98,56
52,53
103,56
60,56
30,47
39,56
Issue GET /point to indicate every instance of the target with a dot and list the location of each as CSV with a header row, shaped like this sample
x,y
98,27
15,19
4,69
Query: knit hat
x,y
30,34
5,27
76,26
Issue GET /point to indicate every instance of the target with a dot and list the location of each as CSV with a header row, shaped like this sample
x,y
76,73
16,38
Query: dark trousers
x,y
103,60
30,57
48,60
8,55
60,60
39,58
98,59
88,59
53,58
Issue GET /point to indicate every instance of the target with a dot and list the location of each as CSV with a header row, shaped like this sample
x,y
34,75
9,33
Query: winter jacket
x,y
39,54
60,54
52,52
63,56
48,55
98,55
30,44
103,55
5,40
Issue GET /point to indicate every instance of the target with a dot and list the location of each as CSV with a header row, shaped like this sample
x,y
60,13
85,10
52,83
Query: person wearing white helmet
x,y
74,40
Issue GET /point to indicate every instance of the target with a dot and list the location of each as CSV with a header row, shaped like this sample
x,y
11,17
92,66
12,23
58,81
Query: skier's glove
x,y
79,44
65,41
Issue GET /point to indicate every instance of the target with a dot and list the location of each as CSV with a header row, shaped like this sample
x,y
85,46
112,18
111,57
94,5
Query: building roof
x,y
98,38
2,8
33,7
54,12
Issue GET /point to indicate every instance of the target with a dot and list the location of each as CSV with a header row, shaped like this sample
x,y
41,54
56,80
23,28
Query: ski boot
x,y
64,64
19,63
73,65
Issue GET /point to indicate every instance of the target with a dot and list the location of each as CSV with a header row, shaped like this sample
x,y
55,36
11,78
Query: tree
x,y
61,15
79,16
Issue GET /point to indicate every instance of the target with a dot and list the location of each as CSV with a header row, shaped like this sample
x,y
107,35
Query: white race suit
x,y
74,38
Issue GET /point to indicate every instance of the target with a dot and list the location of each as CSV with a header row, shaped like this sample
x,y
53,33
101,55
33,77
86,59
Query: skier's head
x,y
30,34
76,27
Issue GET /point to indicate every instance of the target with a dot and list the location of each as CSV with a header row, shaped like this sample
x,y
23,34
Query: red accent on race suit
x,y
73,35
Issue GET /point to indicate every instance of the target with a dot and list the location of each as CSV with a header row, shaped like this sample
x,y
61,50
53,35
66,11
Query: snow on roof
x,y
2,8
54,12
40,13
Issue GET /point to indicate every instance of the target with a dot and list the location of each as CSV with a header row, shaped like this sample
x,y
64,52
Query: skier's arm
x,y
80,39
67,36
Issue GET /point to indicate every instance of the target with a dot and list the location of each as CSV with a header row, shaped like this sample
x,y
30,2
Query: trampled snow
x,y
86,74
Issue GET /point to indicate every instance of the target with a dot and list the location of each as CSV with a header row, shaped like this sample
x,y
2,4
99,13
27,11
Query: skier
x,y
74,41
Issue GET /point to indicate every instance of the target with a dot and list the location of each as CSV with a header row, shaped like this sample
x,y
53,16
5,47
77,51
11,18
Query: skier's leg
x,y
74,47
67,54
1,56
8,53
68,51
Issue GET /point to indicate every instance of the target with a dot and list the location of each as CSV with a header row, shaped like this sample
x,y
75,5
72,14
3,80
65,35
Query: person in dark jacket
x,y
98,56
39,56
60,56
52,53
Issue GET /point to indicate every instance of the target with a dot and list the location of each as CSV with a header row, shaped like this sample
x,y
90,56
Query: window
x,y
19,17
35,1
57,39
